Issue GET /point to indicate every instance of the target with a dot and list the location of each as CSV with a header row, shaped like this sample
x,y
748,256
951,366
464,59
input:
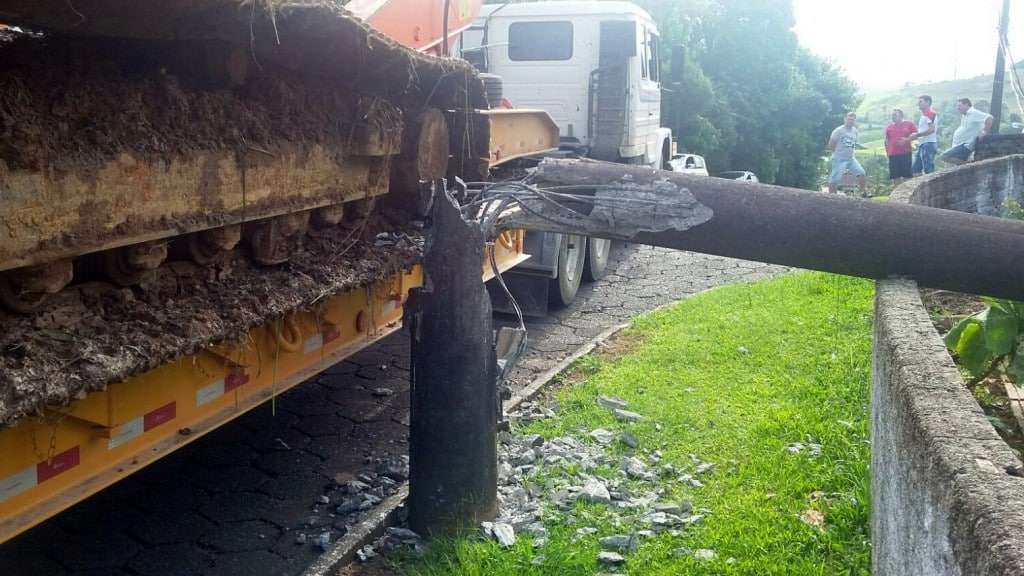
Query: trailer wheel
x,y
598,250
572,257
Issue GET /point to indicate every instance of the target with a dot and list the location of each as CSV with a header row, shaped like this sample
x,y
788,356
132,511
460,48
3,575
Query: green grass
x,y
734,376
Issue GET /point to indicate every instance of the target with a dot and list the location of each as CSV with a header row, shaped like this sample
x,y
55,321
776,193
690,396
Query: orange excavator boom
x,y
418,24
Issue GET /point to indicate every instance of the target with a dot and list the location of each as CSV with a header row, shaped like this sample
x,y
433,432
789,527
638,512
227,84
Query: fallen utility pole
x,y
937,248
453,417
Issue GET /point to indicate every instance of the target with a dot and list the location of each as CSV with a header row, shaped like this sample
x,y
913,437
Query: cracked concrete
x,y
233,501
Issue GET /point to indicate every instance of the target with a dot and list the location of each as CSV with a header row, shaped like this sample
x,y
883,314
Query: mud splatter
x,y
95,334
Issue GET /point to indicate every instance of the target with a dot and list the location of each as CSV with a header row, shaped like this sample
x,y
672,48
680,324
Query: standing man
x,y
928,134
898,147
974,125
842,144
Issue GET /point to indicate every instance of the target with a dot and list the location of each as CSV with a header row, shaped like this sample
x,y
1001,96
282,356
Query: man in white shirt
x,y
974,125
842,143
927,137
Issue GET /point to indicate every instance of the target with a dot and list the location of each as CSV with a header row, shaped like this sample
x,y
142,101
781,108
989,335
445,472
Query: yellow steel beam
x,y
516,133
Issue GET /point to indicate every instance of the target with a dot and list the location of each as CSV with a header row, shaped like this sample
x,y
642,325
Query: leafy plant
x,y
991,340
1013,209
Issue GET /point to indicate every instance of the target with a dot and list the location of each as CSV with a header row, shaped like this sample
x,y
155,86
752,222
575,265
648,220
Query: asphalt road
x,y
235,501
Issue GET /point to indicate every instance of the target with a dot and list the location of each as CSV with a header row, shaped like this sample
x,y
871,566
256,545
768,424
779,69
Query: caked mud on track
x,y
94,334
132,123
141,141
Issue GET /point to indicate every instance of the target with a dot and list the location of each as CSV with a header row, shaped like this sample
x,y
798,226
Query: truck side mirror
x,y
678,64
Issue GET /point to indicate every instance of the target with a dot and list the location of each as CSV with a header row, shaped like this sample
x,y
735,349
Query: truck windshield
x,y
540,41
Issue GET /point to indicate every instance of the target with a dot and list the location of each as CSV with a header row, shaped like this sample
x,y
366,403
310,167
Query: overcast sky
x,y
887,43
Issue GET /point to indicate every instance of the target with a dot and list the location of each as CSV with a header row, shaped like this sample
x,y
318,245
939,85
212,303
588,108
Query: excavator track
x,y
175,173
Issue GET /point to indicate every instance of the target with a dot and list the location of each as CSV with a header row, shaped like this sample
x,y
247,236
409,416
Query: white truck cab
x,y
593,66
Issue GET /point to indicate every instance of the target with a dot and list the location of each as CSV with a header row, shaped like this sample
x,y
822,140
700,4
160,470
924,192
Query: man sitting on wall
x,y
974,125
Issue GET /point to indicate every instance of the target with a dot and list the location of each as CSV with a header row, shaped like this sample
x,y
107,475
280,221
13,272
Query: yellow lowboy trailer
x,y
55,460
296,86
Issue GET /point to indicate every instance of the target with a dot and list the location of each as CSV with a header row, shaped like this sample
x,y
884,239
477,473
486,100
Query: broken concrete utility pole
x,y
453,417
937,248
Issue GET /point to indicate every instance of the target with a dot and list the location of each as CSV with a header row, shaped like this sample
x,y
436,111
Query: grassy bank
x,y
770,383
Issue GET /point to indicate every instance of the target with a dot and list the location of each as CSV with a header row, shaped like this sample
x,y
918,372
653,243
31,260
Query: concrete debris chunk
x,y
323,499
668,508
324,540
705,467
612,402
348,506
705,554
595,491
504,472
611,559
301,539
356,486
602,436
519,497
383,392
620,543
365,553
626,415
504,534
689,479
534,440
527,456
403,534
585,531
636,469
395,468
536,529
694,519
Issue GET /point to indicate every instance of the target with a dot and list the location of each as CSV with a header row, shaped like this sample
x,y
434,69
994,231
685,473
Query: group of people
x,y
904,161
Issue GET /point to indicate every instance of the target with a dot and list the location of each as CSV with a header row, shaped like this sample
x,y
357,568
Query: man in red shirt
x,y
898,148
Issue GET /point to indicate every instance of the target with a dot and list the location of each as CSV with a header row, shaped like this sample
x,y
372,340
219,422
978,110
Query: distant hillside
x,y
877,105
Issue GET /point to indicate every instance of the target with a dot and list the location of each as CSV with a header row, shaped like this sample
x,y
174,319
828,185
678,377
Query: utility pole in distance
x,y
996,107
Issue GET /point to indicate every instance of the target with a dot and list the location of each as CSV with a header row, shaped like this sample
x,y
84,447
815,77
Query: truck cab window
x,y
534,41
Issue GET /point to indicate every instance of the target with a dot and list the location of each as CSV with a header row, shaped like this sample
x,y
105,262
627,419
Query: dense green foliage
x,y
751,98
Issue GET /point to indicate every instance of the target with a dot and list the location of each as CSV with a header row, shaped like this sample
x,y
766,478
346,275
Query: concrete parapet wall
x,y
978,187
998,145
947,492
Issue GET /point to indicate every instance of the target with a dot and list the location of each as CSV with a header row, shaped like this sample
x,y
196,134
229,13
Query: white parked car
x,y
742,175
688,164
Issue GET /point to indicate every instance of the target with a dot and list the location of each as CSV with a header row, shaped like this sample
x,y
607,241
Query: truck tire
x,y
572,257
493,89
598,250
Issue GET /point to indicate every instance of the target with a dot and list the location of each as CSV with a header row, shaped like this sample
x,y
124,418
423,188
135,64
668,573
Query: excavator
x,y
205,202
